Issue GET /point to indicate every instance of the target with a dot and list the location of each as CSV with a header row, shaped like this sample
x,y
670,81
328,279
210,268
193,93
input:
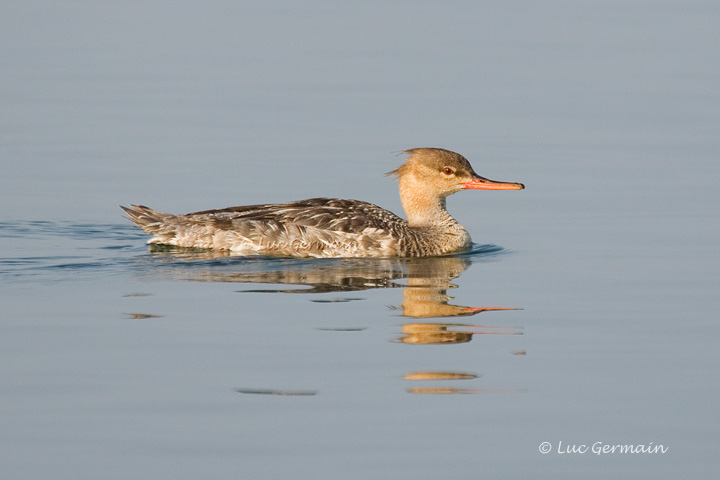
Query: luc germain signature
x,y
601,448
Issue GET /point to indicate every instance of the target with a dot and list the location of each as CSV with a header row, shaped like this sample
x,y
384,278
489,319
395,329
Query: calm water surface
x,y
586,314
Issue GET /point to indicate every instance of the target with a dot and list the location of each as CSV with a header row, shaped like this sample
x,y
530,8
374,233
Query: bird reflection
x,y
424,294
424,283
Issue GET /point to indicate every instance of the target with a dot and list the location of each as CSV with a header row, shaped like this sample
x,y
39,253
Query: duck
x,y
335,227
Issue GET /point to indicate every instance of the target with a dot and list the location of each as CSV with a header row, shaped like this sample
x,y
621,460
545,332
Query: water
x,y
121,362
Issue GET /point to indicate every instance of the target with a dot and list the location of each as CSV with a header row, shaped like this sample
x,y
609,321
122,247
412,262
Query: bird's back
x,y
317,227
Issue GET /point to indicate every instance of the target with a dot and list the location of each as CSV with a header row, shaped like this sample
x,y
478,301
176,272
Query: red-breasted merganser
x,y
333,227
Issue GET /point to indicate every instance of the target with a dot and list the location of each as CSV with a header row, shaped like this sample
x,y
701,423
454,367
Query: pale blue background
x,y
609,112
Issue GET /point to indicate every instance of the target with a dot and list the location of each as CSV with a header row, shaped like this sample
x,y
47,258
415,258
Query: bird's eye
x,y
448,171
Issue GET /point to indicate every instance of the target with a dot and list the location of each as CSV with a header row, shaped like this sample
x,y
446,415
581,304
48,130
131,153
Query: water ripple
x,y
48,251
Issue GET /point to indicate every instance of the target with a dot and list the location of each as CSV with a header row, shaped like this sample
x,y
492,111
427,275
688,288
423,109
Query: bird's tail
x,y
151,221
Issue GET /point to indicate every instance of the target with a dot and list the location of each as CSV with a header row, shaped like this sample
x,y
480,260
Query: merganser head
x,y
445,172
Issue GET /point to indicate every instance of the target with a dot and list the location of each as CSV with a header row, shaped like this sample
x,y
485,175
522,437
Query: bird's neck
x,y
422,208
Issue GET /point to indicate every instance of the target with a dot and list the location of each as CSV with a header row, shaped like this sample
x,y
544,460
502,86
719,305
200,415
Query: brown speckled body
x,y
332,227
